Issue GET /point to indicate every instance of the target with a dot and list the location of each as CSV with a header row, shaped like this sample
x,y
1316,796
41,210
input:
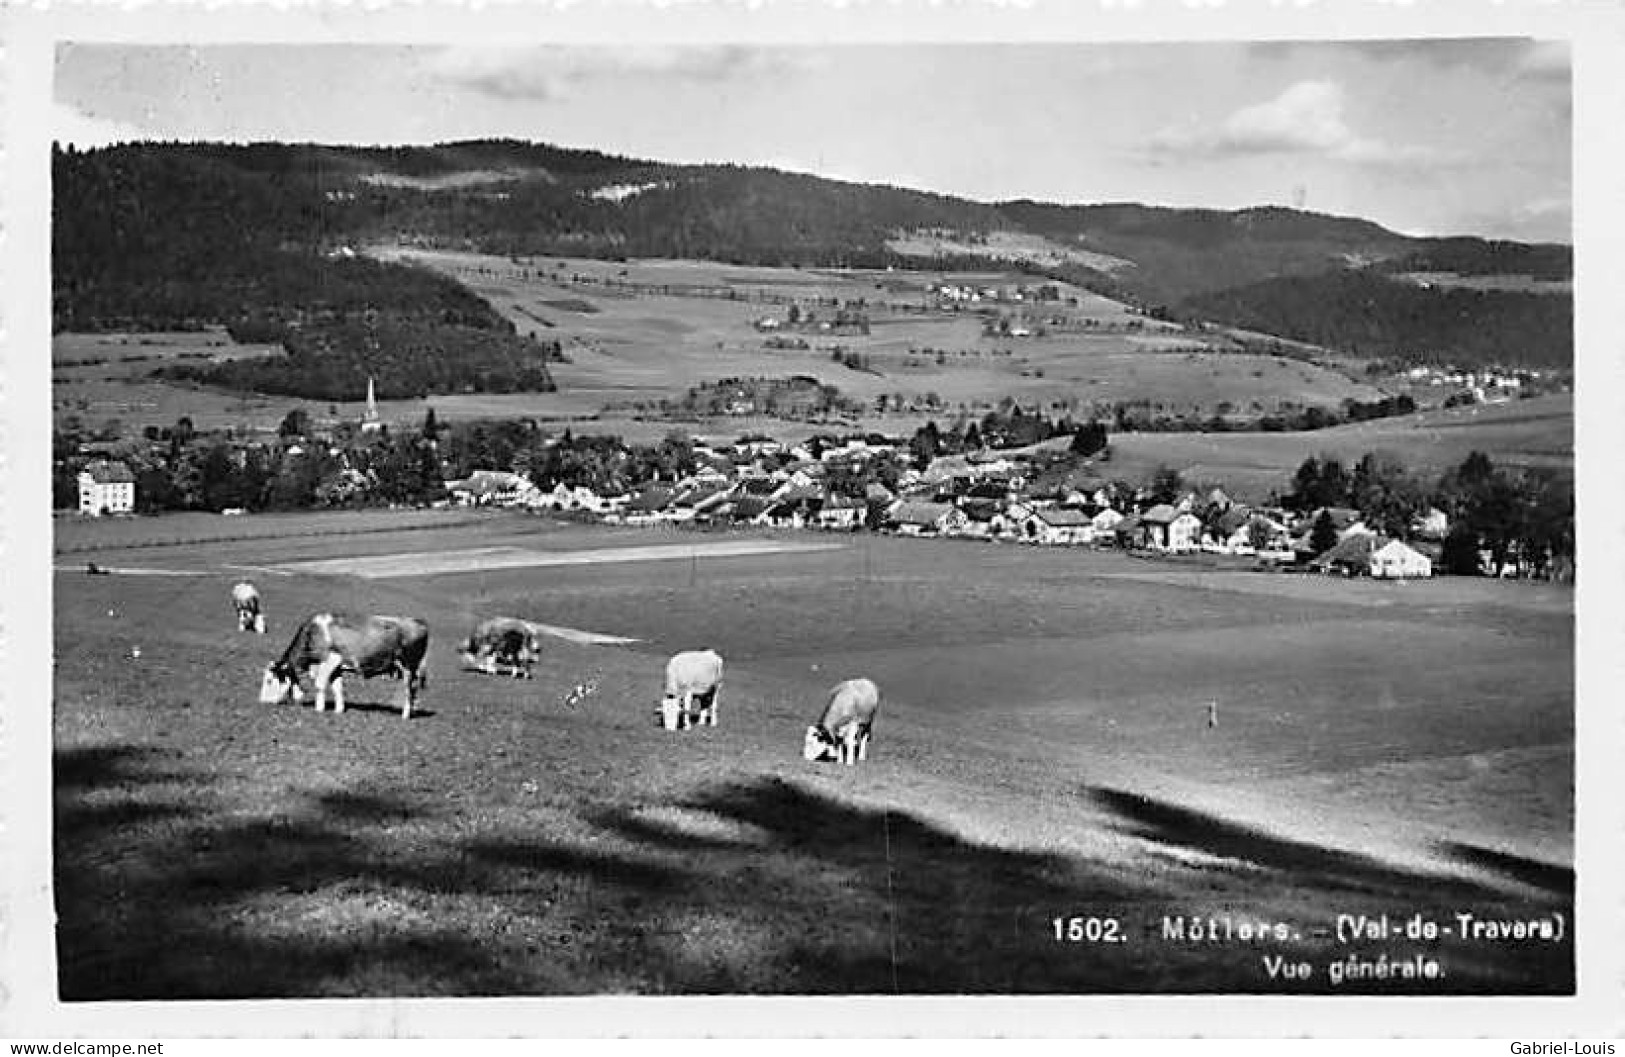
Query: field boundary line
x,y
131,571
484,559
583,638
203,541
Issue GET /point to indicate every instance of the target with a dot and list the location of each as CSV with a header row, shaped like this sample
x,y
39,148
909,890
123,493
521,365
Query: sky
x,y
1425,136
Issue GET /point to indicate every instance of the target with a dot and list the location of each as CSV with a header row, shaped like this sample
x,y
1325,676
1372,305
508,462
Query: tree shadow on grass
x,y
1553,880
1287,871
1317,866
757,886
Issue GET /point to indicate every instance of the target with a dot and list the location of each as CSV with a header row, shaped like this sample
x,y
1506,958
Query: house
x,y
1129,532
1344,520
1351,556
1395,560
749,509
810,475
795,509
1170,529
1106,521
760,488
1258,528
1057,525
1226,531
491,488
1431,524
106,487
646,506
841,513
561,497
687,504
922,519
875,492
984,519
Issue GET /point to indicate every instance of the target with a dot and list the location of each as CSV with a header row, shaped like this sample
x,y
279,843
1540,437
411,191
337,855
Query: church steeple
x,y
370,420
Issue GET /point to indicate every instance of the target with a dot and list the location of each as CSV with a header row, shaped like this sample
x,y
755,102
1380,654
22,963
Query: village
x,y
988,496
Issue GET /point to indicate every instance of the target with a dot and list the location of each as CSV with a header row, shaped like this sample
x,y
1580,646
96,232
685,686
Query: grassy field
x,y
1534,432
1044,750
643,330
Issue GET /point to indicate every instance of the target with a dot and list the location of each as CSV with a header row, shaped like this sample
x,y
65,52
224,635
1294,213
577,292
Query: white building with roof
x,y
106,488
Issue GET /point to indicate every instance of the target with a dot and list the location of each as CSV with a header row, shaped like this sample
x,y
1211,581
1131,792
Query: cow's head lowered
x,y
818,745
278,684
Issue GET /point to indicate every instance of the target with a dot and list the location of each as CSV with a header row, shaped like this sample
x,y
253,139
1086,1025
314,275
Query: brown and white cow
x,y
329,646
246,600
842,733
693,684
502,646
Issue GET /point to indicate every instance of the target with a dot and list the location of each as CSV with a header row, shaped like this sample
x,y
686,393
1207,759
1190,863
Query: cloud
x,y
69,124
555,73
1306,118
1494,56
1544,219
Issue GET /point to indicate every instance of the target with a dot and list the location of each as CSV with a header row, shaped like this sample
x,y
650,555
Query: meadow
x,y
1063,733
1538,432
643,330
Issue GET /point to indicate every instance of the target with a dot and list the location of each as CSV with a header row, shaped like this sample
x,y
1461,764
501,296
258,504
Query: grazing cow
x,y
247,601
330,646
842,733
502,646
693,684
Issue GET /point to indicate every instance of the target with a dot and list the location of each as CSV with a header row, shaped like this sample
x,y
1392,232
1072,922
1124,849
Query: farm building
x,y
106,488
1368,554
920,519
647,504
1058,526
1395,560
1351,556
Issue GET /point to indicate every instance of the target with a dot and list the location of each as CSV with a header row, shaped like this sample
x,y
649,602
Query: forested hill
x,y
1368,314
146,230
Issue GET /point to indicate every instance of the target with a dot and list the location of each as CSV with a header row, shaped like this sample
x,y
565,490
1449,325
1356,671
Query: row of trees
x,y
1141,416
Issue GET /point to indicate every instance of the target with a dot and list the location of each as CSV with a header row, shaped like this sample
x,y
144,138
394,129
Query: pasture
x,y
1044,749
646,330
1538,432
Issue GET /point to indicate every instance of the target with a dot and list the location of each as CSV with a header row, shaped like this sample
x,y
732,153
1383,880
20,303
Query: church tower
x,y
370,422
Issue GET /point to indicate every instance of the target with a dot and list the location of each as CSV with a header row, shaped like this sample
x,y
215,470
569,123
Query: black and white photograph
x,y
535,517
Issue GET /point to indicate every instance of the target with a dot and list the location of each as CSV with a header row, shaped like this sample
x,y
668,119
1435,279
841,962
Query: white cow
x,y
842,733
247,601
693,684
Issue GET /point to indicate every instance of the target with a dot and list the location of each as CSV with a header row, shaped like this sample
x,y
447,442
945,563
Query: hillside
x,y
153,236
1369,314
